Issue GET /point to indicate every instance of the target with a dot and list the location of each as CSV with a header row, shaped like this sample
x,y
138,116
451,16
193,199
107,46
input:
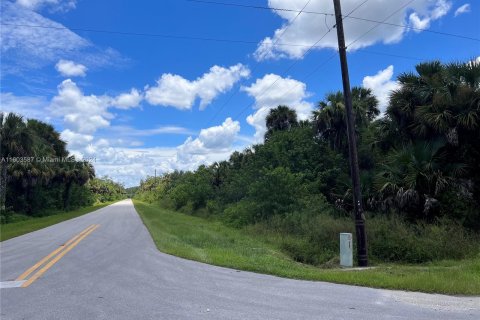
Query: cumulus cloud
x,y
271,91
419,23
129,164
76,140
128,100
463,9
176,91
87,113
81,113
423,22
308,28
381,85
213,138
69,68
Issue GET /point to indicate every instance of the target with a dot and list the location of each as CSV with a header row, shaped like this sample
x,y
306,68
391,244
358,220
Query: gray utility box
x,y
346,250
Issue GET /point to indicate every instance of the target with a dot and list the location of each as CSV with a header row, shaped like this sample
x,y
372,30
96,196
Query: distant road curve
x,y
104,265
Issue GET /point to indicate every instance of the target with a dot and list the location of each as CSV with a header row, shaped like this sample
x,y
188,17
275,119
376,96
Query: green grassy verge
x,y
15,229
214,243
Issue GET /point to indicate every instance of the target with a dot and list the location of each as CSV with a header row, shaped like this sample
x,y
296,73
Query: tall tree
x,y
280,118
439,106
330,117
75,172
15,141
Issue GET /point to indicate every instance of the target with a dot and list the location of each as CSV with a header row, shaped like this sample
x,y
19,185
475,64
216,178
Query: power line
x,y
286,70
273,45
324,63
146,34
297,61
247,6
390,55
378,23
407,27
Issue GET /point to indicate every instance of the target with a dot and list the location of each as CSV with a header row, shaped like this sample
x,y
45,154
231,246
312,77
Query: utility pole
x,y
352,143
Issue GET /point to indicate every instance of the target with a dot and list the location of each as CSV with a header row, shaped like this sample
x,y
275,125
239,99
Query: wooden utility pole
x,y
352,142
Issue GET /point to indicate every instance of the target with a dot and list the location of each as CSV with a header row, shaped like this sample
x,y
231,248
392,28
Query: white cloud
x,y
271,91
381,85
176,91
129,165
69,68
308,28
25,48
172,90
54,5
29,107
32,47
128,100
418,22
131,132
81,113
219,137
87,113
441,8
210,143
76,140
463,9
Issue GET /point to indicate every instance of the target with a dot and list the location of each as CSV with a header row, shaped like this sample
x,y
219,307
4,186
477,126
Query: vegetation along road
x,y
104,265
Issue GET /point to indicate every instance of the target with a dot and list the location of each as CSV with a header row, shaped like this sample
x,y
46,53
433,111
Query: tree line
x,y
420,171
39,176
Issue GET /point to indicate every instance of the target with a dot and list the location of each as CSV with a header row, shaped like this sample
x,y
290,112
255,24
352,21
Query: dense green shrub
x,y
392,239
241,213
314,239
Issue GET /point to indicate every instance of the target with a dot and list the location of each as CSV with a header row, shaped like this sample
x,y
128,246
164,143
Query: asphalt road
x,y
116,272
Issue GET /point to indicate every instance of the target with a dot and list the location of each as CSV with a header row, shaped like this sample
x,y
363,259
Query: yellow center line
x,y
58,257
24,275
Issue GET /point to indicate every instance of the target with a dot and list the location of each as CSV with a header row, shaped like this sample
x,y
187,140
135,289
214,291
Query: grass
x,y
30,224
212,242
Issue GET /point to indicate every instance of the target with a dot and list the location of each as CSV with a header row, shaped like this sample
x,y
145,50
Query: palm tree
x,y
75,172
47,138
439,101
413,176
15,141
330,117
330,120
280,118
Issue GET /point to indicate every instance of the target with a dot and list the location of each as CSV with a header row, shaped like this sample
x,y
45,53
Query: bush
x,y
392,239
275,192
306,237
6,216
314,238
240,214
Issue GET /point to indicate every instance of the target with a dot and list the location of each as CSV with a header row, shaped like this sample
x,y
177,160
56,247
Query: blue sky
x,y
151,92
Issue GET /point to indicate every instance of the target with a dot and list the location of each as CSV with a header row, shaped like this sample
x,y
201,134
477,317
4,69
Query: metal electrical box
x,y
346,250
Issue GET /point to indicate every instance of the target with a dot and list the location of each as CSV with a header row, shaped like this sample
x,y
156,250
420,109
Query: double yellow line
x,y
53,257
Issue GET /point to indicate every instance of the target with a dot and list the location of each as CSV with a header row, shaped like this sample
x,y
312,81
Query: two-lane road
x,y
104,265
